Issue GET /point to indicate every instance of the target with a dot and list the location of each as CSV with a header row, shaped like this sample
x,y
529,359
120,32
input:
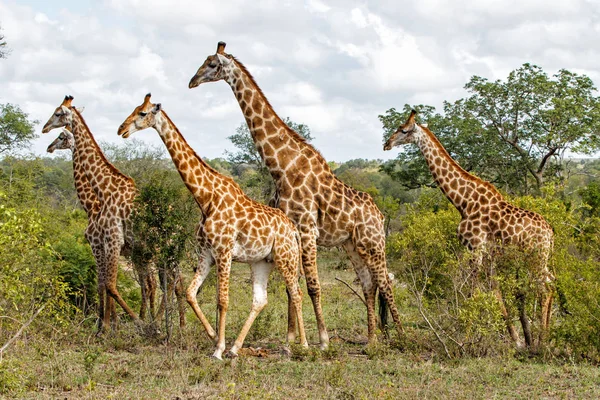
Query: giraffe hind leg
x,y
113,249
368,287
313,286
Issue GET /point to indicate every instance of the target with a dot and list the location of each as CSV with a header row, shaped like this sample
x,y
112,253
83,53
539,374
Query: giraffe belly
x,y
332,239
250,254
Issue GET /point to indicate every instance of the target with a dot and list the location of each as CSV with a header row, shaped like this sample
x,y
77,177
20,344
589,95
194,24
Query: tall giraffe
x,y
487,218
233,227
115,193
327,212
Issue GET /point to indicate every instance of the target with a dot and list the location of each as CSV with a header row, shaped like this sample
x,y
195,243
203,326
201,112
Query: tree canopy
x,y
16,130
514,133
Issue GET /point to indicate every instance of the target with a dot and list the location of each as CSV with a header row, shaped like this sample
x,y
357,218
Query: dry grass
x,y
74,364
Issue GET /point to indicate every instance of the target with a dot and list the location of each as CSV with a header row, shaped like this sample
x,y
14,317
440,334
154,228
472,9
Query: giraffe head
x,y
142,117
62,116
214,68
65,140
404,134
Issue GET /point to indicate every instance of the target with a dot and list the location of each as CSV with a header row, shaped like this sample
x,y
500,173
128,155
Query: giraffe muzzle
x,y
47,128
194,82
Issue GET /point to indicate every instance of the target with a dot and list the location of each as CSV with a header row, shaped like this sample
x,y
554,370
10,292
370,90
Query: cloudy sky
x,y
333,65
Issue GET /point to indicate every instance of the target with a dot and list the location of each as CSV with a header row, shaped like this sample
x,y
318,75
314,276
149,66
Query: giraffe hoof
x,y
286,352
231,354
216,357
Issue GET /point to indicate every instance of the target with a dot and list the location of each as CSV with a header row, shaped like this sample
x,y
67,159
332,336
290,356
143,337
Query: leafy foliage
x,y
514,133
16,130
29,272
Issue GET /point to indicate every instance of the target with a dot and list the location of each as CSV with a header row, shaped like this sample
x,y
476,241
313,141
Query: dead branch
x,y
351,288
20,331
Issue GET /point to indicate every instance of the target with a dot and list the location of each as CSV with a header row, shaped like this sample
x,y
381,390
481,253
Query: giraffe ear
x,y
80,109
157,107
223,60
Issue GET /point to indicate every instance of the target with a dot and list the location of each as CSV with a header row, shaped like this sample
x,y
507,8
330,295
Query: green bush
x,y
454,302
29,271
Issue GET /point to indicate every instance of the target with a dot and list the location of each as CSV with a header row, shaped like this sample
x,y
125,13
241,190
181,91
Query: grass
x,y
74,364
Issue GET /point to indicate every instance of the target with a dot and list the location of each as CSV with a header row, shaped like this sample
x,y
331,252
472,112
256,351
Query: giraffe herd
x,y
311,207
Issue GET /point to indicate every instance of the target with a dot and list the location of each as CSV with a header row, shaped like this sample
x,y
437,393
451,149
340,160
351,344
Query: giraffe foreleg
x,y
260,278
93,238
313,287
292,318
112,252
223,262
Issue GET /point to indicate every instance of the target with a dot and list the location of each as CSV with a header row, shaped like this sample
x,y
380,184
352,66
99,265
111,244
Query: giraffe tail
x,y
383,313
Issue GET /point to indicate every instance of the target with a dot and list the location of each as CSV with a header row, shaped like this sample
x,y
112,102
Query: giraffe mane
x,y
292,132
456,165
204,163
100,152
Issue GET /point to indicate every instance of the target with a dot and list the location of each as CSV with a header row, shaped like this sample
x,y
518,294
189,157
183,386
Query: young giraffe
x,y
487,219
327,212
233,227
115,193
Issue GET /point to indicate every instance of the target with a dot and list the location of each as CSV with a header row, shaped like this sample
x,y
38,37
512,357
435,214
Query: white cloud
x,y
317,6
147,65
330,64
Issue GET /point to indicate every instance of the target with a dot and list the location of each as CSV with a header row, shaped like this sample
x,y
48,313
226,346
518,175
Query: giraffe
x,y
115,193
327,212
233,227
89,201
487,218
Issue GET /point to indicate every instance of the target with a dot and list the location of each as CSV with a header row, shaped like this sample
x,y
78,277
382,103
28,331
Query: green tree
x,y
258,181
16,130
514,133
591,197
537,117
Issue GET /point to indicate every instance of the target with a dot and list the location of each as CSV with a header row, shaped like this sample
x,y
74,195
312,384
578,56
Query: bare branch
x,y
20,331
351,288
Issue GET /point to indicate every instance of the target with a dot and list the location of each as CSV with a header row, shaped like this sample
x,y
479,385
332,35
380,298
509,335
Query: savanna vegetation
x,y
522,134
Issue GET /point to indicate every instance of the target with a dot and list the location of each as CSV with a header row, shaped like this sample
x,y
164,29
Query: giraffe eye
x,y
212,64
143,114
58,114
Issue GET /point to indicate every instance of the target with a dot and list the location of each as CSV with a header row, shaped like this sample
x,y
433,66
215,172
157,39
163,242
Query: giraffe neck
x,y
269,133
85,192
461,188
101,174
197,175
